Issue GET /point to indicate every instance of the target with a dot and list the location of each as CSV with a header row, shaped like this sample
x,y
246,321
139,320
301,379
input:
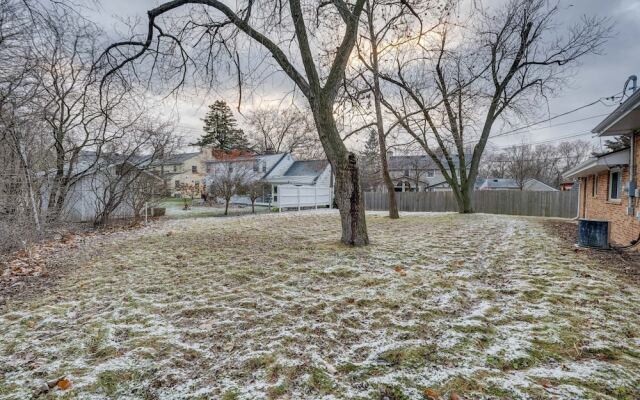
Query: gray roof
x,y
175,159
307,168
506,184
500,183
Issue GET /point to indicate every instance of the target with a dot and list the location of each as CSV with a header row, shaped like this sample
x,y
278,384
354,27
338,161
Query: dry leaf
x,y
229,346
399,270
454,396
545,384
64,384
431,394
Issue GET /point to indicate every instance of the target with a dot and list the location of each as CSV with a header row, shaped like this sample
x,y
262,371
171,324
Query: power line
x,y
551,126
546,141
600,100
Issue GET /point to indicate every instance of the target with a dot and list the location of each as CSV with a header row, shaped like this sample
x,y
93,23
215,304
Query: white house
x,y
88,193
293,184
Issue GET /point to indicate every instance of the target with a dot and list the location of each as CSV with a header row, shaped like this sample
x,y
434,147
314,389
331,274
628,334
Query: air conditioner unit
x,y
594,233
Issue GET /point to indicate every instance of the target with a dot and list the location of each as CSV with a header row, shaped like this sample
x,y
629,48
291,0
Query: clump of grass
x,y
260,362
391,392
320,381
278,391
97,345
410,356
504,363
230,394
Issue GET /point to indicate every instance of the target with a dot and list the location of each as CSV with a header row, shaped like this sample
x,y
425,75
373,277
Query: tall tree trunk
x,y
348,192
382,139
253,206
466,205
226,206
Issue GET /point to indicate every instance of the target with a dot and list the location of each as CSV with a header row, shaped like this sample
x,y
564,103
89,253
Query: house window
x,y
256,167
431,173
177,184
230,168
175,168
406,172
264,166
594,187
614,184
194,169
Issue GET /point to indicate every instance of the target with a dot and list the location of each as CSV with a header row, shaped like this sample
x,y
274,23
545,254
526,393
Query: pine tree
x,y
370,165
618,143
220,129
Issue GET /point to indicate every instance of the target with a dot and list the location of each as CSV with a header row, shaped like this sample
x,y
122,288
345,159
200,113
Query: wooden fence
x,y
511,202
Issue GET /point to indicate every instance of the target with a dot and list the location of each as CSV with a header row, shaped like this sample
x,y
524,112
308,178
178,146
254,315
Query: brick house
x,y
609,181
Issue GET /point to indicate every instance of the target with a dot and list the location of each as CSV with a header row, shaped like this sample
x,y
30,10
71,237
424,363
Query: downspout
x,y
632,176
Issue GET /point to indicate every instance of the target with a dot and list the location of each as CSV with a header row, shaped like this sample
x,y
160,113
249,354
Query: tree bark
x,y
344,163
226,206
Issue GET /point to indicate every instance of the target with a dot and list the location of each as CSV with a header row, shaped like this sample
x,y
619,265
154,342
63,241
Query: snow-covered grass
x,y
272,306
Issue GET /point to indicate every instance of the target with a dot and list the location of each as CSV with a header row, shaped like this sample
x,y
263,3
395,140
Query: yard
x,y
272,306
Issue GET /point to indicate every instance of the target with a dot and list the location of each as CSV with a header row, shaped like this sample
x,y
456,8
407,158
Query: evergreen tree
x,y
370,162
618,143
220,129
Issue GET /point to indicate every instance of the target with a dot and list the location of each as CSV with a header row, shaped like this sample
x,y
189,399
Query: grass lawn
x,y
272,306
175,210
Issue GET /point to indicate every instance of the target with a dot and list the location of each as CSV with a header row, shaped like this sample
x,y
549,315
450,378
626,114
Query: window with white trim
x,y
615,181
594,186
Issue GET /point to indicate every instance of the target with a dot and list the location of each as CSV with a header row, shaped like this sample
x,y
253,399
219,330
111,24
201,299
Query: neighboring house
x,y
567,185
609,181
291,183
417,174
184,169
86,196
530,185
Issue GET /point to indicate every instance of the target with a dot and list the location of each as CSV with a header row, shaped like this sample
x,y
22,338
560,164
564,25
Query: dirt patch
x,y
625,263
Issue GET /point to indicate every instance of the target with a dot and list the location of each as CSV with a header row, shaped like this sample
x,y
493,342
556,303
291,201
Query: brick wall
x,y
624,228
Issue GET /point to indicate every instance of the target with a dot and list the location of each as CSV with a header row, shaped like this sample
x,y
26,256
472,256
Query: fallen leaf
x,y
64,384
454,396
431,394
545,383
229,346
399,270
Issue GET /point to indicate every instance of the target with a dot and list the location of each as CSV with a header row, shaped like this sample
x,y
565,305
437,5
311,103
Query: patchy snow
x,y
272,306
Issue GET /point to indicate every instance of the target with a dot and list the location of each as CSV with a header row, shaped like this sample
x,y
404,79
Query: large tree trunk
x,y
348,192
226,206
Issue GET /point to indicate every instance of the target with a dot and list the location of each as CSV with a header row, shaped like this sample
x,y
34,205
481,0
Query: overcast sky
x,y
598,76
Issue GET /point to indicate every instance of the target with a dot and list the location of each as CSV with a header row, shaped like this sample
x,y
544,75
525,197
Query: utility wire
x,y
545,141
600,100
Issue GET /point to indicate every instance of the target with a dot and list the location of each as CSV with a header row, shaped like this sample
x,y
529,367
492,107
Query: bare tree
x,y
282,130
453,90
254,189
281,28
121,176
386,22
227,180
544,162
